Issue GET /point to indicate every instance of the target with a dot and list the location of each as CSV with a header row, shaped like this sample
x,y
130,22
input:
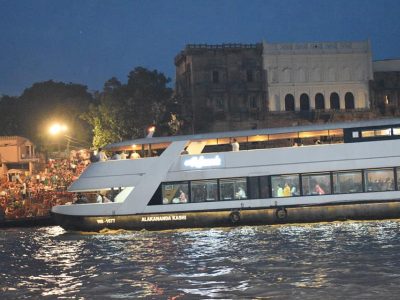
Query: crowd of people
x,y
24,195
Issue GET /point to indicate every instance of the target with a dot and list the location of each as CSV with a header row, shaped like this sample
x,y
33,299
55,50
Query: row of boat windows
x,y
290,185
376,133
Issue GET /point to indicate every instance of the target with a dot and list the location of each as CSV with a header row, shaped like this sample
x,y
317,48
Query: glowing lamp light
x,y
57,128
150,131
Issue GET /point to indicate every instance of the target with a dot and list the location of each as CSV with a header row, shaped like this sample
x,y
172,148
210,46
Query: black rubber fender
x,y
235,216
281,213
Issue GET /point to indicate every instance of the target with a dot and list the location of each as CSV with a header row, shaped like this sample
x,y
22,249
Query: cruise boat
x,y
340,171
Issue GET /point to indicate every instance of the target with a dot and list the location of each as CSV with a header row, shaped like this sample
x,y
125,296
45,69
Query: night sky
x,y
88,42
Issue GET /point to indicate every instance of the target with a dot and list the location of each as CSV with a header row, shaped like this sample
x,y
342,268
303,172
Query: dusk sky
x,y
88,42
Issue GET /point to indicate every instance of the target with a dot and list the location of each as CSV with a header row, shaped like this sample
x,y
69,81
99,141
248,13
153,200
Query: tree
x,y
50,101
124,111
10,118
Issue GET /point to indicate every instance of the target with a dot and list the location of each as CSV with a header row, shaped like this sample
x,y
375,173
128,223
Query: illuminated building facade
x,y
238,86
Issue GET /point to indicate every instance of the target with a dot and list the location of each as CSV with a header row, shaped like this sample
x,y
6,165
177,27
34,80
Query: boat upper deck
x,y
276,137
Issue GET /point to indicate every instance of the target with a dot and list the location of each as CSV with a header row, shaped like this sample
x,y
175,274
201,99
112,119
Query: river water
x,y
359,260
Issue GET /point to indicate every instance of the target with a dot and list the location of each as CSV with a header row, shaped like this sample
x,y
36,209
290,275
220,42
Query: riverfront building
x,y
16,153
245,86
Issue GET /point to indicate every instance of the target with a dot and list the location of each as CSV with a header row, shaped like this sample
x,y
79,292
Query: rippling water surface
x,y
333,260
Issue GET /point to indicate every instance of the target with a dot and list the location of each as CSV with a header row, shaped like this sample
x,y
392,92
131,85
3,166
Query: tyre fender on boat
x,y
234,216
281,213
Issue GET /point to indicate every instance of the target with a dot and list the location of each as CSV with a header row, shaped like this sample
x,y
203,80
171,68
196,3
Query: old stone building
x,y
237,86
385,88
221,85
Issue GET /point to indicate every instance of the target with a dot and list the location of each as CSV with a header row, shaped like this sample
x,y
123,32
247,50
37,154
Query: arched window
x,y
349,101
304,102
289,102
319,101
335,102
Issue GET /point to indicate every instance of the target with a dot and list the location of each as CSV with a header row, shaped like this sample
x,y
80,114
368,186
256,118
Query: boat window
x,y
396,131
176,192
204,190
285,185
398,178
347,182
355,134
316,184
383,132
233,188
367,133
378,180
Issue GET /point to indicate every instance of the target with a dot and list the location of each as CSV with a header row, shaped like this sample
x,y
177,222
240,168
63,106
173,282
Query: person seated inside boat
x,y
293,191
279,191
241,194
287,191
102,198
319,190
182,197
81,199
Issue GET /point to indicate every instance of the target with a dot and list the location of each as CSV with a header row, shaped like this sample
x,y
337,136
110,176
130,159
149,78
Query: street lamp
x,y
57,129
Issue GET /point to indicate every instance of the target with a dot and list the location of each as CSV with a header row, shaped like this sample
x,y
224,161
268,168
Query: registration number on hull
x,y
105,221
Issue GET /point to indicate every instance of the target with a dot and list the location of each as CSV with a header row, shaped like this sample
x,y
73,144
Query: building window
x,y
215,77
176,192
349,101
304,102
289,102
249,76
253,102
335,102
219,104
319,101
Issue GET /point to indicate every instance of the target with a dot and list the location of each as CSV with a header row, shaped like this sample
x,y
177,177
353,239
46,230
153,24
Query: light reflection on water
x,y
331,260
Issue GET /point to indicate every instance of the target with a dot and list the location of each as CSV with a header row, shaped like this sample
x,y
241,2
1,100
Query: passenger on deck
x,y
102,155
116,156
123,155
235,145
134,155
